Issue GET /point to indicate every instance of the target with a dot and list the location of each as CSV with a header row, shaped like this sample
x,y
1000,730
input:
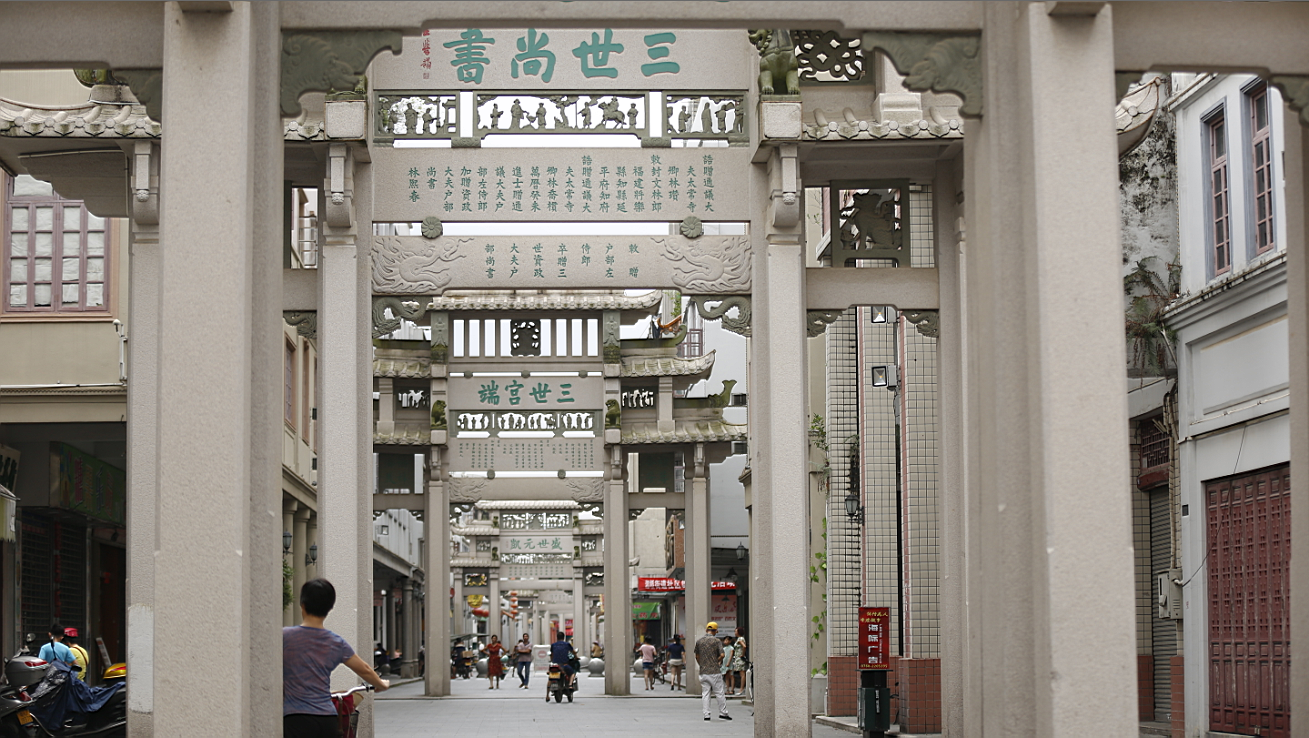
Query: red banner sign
x,y
874,638
668,584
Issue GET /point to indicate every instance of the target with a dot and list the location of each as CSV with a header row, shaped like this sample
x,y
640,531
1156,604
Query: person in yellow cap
x,y
709,657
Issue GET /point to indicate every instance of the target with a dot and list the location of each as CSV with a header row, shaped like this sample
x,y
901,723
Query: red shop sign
x,y
874,638
668,584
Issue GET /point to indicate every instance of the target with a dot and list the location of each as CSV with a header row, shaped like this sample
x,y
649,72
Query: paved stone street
x,y
474,710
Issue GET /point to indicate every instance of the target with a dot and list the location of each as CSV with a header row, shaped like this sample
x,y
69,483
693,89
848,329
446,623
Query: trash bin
x,y
875,708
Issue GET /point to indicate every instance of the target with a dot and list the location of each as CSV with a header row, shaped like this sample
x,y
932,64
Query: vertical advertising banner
x,y
874,638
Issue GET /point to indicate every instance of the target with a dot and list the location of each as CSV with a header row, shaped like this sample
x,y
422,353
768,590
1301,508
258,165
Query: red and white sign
x,y
722,610
668,584
874,638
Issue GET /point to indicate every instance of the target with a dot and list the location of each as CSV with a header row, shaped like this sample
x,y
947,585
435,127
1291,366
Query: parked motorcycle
x,y
43,699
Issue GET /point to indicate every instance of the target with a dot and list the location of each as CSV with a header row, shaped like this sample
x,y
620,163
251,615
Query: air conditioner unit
x,y
1168,594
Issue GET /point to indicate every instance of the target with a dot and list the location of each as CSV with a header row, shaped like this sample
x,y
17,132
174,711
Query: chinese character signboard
x,y
85,484
874,638
527,543
564,59
561,184
668,584
722,610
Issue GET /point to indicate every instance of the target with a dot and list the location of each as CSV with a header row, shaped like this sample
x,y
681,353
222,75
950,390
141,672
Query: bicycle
x,y
347,709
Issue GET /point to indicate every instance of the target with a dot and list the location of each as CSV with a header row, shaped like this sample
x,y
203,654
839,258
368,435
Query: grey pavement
x,y
474,710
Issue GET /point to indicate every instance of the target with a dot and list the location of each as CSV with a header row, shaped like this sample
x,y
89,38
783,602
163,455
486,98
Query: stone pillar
x,y
493,625
409,631
579,617
947,223
1296,157
696,545
219,391
779,572
1045,410
459,621
618,593
299,554
291,613
345,448
311,540
389,631
143,448
436,527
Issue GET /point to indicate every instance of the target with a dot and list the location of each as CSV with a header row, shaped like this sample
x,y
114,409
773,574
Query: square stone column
x,y
1296,156
493,605
699,585
618,587
779,585
1049,522
579,617
409,634
436,527
219,396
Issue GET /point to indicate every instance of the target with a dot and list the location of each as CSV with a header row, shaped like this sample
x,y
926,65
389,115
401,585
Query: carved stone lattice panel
x,y
707,116
524,337
825,56
871,222
412,265
561,184
571,112
416,115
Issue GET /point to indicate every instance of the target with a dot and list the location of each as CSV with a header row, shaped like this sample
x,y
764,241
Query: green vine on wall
x,y
288,589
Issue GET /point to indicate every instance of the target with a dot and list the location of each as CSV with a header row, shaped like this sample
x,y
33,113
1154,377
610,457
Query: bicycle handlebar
x,y
352,690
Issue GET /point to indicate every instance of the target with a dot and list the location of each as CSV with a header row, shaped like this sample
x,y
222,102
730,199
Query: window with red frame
x,y
1219,210
56,251
1262,164
288,389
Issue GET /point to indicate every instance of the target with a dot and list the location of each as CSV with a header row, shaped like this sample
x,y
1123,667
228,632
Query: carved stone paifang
x,y
587,490
935,62
466,489
323,61
407,267
705,266
739,325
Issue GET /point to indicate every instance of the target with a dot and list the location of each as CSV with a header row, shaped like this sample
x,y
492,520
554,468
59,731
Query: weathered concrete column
x,y
946,214
618,593
780,513
142,448
219,394
345,458
699,585
436,527
1297,267
1046,413
291,613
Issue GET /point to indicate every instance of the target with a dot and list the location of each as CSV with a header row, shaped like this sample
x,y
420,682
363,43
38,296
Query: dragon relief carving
x,y
587,490
739,325
709,266
400,310
463,489
409,267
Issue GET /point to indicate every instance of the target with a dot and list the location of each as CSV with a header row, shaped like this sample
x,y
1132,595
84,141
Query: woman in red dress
x,y
495,669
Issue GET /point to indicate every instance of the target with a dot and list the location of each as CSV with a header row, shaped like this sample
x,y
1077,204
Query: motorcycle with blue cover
x,y
41,699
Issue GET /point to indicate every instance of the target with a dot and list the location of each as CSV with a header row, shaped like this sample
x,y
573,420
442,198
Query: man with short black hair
x,y
56,649
709,657
309,654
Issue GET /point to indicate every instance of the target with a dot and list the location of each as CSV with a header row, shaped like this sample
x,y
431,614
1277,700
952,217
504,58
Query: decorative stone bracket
x,y
928,322
739,325
306,324
1295,89
935,62
399,309
818,320
325,61
148,86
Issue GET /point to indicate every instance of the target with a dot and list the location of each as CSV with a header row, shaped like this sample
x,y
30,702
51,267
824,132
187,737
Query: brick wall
x,y
842,686
920,695
1178,677
1145,686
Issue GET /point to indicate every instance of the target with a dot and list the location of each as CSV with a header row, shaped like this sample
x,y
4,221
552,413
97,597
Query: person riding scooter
x,y
563,654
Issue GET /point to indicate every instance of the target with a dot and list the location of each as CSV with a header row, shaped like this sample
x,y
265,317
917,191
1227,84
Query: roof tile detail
x,y
697,431
666,366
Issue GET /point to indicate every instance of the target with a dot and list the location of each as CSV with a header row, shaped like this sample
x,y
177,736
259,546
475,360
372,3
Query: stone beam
x,y
646,500
1256,37
412,17
833,289
126,35
300,290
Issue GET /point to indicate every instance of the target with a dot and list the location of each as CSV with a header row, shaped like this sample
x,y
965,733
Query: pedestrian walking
x,y
648,653
495,668
734,665
523,660
309,654
709,657
676,660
